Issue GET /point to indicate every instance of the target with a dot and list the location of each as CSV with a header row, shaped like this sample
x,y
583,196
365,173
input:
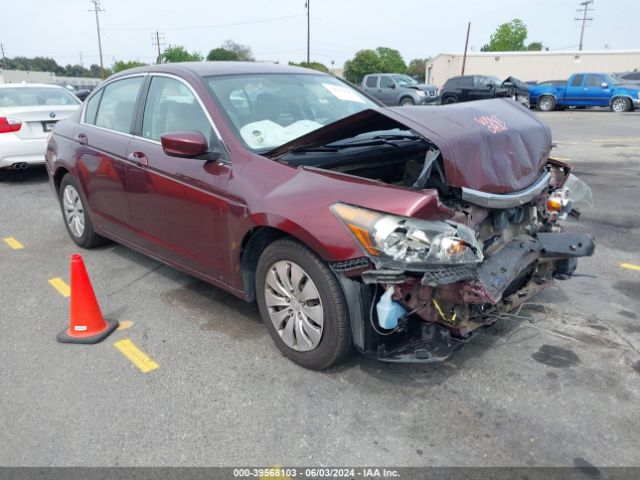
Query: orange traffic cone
x,y
87,324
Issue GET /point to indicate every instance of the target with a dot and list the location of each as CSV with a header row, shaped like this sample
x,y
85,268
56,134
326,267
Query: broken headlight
x,y
392,240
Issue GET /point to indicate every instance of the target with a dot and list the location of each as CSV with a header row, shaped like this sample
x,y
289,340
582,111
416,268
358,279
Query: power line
x,y
157,39
97,9
219,25
584,9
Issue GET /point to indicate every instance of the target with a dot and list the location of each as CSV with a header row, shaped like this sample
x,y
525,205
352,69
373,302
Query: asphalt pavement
x,y
558,388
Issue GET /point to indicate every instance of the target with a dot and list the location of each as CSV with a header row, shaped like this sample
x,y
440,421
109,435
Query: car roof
x,y
30,85
204,69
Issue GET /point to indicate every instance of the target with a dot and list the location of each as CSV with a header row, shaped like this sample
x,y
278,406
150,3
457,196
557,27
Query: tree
x,y
180,54
242,51
535,46
417,67
313,65
390,60
218,54
120,65
363,63
508,37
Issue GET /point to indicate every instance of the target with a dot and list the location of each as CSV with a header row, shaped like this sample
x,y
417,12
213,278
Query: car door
x,y
464,87
594,91
388,90
370,85
178,205
103,140
574,92
480,89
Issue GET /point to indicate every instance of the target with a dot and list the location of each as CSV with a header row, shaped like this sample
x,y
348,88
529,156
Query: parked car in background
x,y
28,112
400,231
586,90
628,78
481,87
398,89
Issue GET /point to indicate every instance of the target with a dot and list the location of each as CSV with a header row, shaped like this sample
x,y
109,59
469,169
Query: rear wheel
x,y
302,305
76,217
547,103
620,104
449,100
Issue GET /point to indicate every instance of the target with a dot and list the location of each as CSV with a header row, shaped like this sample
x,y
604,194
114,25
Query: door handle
x,y
81,138
139,159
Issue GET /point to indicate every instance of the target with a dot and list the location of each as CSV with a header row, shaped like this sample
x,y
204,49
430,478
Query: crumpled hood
x,y
422,86
495,146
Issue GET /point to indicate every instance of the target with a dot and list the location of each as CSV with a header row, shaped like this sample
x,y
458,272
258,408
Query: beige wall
x,y
527,66
19,76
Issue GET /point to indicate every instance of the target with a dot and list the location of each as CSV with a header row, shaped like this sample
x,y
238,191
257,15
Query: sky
x,y
276,29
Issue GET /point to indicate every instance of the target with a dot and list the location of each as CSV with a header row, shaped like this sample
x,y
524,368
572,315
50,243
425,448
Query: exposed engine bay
x,y
425,285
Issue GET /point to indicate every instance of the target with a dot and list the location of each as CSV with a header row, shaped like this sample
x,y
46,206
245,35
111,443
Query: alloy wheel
x,y
73,211
294,306
619,105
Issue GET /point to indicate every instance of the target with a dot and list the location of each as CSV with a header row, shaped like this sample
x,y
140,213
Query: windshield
x,y
404,80
269,110
611,80
35,96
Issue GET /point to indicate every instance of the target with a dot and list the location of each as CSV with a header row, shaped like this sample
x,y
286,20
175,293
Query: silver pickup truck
x,y
398,89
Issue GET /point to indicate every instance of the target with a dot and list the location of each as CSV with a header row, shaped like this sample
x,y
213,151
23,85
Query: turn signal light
x,y
554,204
8,125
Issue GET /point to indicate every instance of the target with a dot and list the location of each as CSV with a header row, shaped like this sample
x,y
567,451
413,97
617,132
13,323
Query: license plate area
x,y
48,126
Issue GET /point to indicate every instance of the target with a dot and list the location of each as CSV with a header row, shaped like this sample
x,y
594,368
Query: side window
x,y
92,108
594,81
372,81
577,80
632,76
386,82
172,107
118,103
480,82
465,82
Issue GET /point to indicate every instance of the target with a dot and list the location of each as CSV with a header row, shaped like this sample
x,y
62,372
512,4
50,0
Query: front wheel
x,y
449,100
621,104
302,305
75,215
547,103
407,102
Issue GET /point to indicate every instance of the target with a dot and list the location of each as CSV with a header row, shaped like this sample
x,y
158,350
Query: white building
x,y
528,66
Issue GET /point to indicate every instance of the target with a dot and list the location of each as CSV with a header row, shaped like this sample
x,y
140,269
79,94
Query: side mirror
x,y
187,145
604,84
391,85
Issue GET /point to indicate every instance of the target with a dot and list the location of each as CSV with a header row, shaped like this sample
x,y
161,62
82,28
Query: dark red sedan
x,y
399,231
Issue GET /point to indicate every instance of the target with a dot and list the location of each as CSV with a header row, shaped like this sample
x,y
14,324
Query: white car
x,y
28,112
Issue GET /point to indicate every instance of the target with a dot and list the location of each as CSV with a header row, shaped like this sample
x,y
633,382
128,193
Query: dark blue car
x,y
586,90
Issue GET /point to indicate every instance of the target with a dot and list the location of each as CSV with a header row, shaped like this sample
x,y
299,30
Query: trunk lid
x,y
38,121
495,146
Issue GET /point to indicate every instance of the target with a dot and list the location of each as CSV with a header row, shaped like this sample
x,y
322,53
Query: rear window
x,y
35,96
577,80
372,82
632,76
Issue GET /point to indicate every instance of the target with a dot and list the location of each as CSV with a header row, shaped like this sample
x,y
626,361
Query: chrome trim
x,y
495,200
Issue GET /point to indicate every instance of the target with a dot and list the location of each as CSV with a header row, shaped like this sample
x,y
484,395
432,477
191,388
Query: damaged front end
x,y
435,283
491,239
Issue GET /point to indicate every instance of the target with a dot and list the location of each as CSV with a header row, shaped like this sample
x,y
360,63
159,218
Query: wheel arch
x,y
628,98
58,176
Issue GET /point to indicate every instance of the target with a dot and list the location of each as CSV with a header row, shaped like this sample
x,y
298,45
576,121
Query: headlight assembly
x,y
408,243
420,93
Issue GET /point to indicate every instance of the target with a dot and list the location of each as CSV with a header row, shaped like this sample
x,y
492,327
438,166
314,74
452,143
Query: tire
x,y
76,215
546,103
407,102
449,100
301,342
620,104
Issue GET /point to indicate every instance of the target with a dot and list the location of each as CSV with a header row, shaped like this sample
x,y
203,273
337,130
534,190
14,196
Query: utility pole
x,y
157,38
4,59
81,64
308,5
585,9
466,46
97,9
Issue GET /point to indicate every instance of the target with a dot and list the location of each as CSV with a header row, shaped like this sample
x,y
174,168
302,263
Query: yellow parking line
x,y
562,159
61,286
137,356
630,266
13,243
